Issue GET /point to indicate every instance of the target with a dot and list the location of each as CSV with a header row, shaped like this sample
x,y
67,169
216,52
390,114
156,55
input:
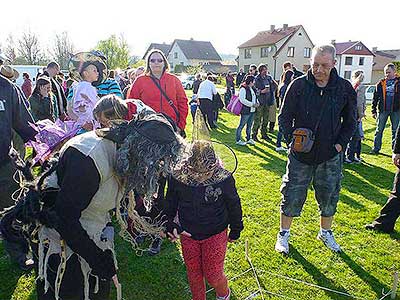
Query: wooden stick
x,y
395,283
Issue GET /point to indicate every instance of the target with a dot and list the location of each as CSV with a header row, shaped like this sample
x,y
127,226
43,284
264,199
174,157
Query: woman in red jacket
x,y
161,90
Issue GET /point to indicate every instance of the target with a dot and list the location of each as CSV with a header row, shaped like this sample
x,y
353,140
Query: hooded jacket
x,y
302,106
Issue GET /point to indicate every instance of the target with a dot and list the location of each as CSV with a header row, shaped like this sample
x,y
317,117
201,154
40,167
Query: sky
x,y
227,24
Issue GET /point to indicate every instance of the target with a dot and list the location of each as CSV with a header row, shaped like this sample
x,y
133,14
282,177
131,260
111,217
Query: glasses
x,y
154,60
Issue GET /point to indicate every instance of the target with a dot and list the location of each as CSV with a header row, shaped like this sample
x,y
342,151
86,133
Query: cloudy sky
x,y
226,24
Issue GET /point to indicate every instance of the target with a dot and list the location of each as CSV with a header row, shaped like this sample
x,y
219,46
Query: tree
x,y
29,48
10,51
116,52
193,70
62,50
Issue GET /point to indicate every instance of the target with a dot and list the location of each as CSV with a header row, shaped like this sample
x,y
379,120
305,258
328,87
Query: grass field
x,y
364,269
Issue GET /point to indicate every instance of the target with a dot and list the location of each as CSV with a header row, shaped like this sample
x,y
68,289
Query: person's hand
x,y
338,148
396,159
88,126
263,91
374,115
174,231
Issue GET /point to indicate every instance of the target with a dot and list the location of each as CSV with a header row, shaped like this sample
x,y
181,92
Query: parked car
x,y
187,82
369,93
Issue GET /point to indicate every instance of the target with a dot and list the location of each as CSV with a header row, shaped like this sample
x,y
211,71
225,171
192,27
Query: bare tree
x,y
29,48
9,50
63,48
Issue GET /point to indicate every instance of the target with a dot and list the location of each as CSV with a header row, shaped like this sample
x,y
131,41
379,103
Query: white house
x,y
276,46
192,53
352,56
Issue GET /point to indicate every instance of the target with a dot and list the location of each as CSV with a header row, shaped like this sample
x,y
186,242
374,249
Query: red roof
x,y
270,37
350,48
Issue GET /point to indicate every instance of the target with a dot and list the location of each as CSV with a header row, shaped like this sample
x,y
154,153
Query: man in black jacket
x,y
13,116
53,69
319,96
391,210
387,101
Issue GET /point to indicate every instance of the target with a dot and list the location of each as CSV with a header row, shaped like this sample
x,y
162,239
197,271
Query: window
x,y
347,74
348,61
361,61
358,47
264,51
247,53
175,54
172,66
307,52
182,64
290,52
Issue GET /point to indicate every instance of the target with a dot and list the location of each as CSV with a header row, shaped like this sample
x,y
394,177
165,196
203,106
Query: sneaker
x,y
155,246
373,151
327,238
377,227
251,142
358,160
241,143
282,242
26,264
280,149
348,160
227,297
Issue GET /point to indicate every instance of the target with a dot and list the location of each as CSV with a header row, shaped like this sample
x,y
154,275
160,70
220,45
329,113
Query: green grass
x,y
364,268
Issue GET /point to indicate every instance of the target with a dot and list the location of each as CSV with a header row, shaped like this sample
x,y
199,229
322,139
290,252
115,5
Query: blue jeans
x,y
279,138
245,120
380,127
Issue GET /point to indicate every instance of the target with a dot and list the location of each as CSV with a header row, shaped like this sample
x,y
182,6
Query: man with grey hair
x,y
387,100
319,108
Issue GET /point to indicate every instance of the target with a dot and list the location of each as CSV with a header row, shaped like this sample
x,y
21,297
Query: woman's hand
x,y
88,126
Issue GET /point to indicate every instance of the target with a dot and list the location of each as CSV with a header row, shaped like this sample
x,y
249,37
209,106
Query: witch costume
x,y
70,206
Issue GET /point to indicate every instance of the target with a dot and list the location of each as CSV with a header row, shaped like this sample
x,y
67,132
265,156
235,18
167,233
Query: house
x,y
352,56
192,53
163,47
381,59
276,46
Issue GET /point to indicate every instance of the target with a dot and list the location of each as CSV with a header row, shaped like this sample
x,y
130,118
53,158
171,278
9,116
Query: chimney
x,y
374,49
272,27
333,42
191,39
285,26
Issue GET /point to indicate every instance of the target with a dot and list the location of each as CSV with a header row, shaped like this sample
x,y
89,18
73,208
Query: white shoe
x,y
251,142
241,143
280,149
329,241
282,243
227,297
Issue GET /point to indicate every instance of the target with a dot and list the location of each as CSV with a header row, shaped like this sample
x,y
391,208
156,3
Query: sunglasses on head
x,y
154,60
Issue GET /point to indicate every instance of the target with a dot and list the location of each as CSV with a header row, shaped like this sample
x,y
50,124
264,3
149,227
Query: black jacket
x,y
302,106
13,115
203,216
260,83
379,100
246,109
239,78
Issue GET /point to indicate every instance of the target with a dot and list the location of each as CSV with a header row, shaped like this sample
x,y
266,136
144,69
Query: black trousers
x,y
207,109
391,210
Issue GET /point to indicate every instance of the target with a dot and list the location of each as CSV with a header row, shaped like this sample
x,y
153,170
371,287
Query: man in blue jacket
x,y
319,97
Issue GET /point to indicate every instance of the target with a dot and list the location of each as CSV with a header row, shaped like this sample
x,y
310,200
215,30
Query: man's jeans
x,y
380,127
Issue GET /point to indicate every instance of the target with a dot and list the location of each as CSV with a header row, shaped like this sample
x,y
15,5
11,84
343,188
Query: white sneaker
x,y
251,142
329,241
241,143
282,243
280,149
227,297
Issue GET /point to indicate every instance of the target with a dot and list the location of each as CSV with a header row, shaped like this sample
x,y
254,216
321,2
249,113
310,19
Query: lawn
x,y
364,269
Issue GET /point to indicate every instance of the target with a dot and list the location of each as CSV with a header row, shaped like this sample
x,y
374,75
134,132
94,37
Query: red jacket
x,y
146,90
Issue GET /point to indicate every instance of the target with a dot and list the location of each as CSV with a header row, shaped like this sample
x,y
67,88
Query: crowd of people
x,y
111,145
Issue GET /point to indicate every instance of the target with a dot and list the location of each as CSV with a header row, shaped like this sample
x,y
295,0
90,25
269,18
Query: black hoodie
x,y
302,107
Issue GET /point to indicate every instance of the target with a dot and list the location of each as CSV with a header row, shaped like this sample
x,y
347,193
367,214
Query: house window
x,y
175,54
358,47
348,61
247,53
172,66
264,51
290,52
182,64
307,52
347,74
361,61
